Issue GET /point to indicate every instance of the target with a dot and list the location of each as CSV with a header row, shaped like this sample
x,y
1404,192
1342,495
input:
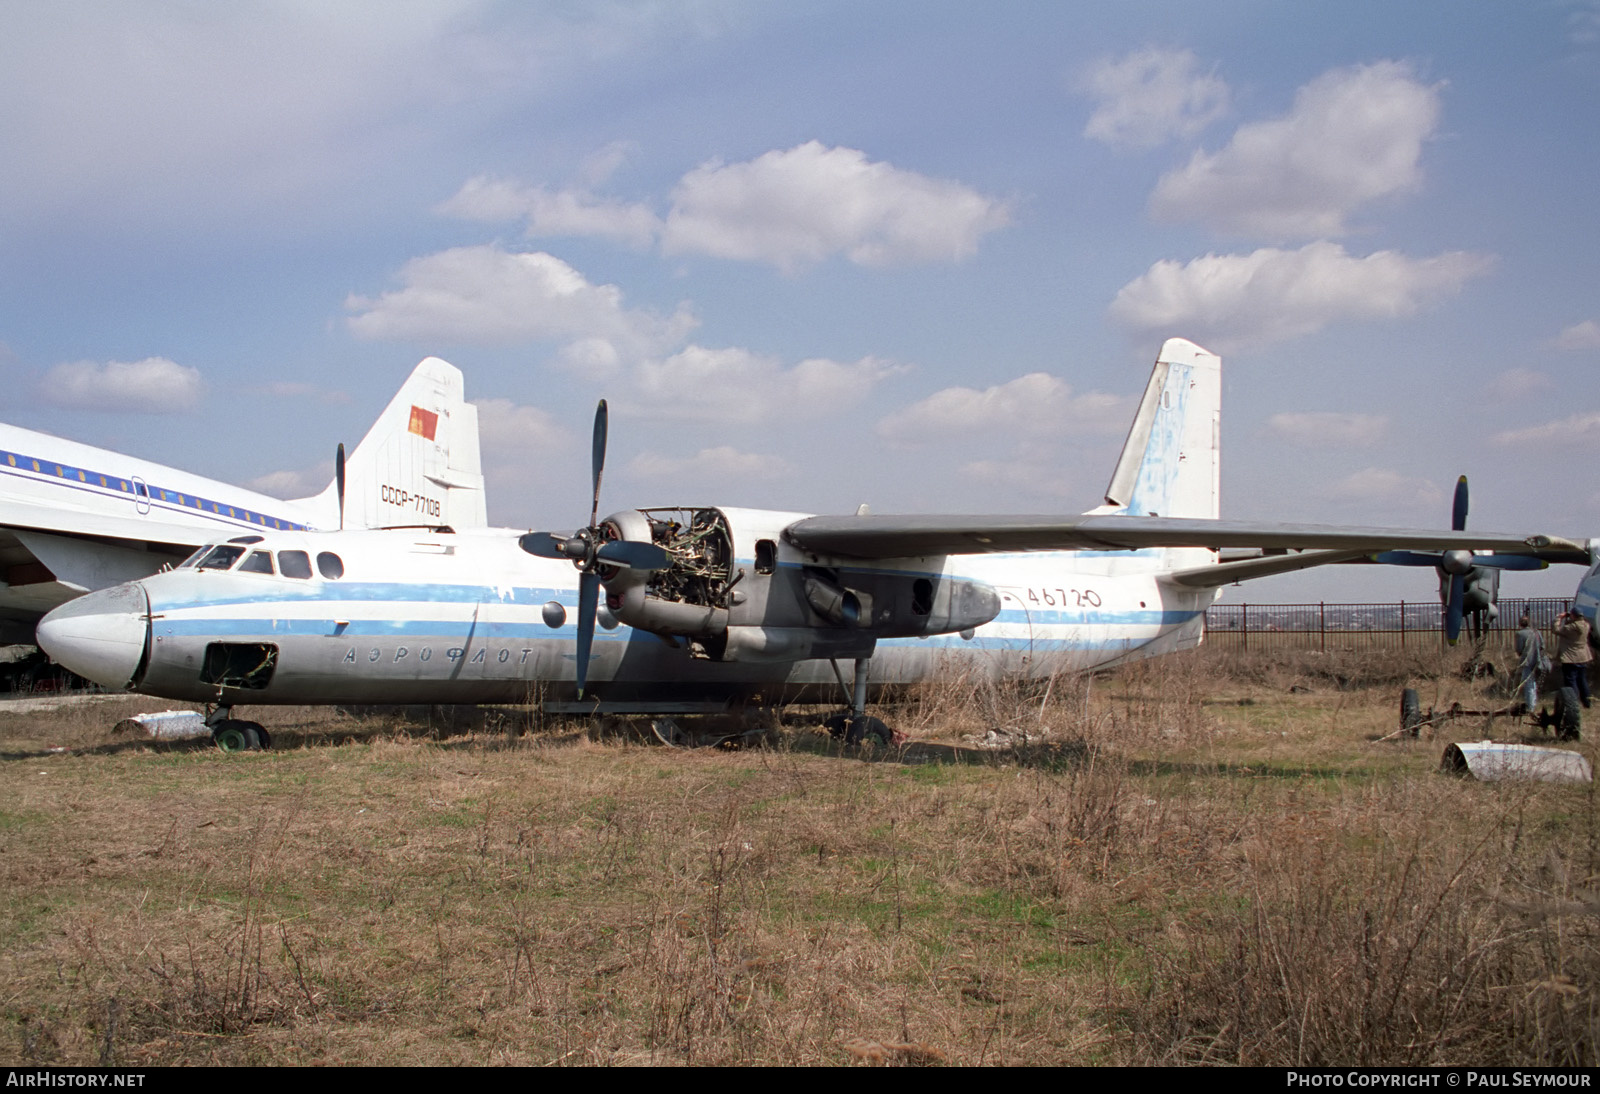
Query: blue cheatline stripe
x,y
529,630
375,592
99,483
441,629
333,593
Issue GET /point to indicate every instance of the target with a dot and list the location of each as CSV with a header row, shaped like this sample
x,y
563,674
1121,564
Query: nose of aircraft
x,y
100,636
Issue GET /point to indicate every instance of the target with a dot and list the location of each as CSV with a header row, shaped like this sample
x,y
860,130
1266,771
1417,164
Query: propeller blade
x,y
599,458
1458,508
338,477
1455,607
1510,562
1407,558
588,604
635,556
543,544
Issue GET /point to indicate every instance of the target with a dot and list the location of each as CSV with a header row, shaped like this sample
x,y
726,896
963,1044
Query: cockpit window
x,y
294,564
221,557
192,559
330,565
245,539
259,562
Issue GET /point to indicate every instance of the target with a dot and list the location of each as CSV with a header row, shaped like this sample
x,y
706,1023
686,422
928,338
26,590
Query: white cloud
x,y
1353,136
1035,405
1027,476
487,295
292,485
1150,96
1580,431
1270,294
710,465
1583,27
154,385
1579,336
1327,429
1383,488
737,385
1514,383
554,213
237,109
797,207
507,429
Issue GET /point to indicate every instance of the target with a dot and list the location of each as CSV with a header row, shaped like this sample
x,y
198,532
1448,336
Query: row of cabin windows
x,y
295,564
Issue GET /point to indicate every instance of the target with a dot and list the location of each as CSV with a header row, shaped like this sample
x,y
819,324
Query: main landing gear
x,y
236,735
855,725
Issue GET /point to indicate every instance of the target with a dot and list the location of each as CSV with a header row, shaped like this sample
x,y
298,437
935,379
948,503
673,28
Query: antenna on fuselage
x,y
338,478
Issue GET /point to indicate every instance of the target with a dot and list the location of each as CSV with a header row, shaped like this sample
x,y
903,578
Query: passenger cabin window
x,y
221,558
330,565
259,562
294,564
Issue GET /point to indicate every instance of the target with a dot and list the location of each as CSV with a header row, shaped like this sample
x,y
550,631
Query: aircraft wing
x,y
135,529
909,536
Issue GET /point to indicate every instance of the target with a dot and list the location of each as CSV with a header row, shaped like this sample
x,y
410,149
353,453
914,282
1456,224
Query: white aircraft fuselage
x,y
471,618
716,604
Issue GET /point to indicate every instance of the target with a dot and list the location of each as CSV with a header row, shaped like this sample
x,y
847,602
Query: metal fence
x,y
1359,626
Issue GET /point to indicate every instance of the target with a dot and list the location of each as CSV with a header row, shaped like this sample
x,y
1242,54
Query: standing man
x,y
1572,650
1530,651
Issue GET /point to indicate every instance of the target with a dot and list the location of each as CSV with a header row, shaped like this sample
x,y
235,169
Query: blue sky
x,y
919,255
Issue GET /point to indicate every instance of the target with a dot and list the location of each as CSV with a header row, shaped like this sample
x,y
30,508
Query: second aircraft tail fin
x,y
419,463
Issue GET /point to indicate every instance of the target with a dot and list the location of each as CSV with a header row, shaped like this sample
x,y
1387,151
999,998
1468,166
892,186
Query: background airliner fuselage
x,y
75,518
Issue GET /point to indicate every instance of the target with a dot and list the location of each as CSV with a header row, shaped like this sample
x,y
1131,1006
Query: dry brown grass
x,y
1188,860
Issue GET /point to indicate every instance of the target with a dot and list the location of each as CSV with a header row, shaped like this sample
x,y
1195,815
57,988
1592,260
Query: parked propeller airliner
x,y
712,604
75,518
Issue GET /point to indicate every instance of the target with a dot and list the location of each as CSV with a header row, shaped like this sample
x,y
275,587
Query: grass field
x,y
1204,858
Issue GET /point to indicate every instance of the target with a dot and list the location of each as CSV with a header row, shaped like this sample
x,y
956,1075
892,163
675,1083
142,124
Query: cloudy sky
x,y
915,254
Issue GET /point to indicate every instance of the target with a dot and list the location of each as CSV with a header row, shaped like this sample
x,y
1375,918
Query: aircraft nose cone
x,y
100,636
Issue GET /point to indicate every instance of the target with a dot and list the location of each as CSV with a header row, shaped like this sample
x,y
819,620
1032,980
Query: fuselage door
x,y
141,495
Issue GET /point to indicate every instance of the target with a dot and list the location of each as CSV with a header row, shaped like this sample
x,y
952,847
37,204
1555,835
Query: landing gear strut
x,y
856,725
235,735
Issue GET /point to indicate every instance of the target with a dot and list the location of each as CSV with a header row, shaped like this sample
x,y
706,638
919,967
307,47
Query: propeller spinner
x,y
594,554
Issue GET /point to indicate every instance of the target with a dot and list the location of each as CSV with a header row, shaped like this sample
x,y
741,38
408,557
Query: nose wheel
x,y
235,734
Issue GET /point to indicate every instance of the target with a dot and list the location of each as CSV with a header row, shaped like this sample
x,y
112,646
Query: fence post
x,y
1322,626
1244,624
1402,624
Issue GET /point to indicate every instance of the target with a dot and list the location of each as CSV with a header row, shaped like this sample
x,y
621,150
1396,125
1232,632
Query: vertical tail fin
x,y
1170,464
419,462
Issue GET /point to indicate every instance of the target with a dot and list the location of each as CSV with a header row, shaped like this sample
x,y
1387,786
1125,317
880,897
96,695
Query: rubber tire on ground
x,y
1410,712
261,732
836,725
1569,715
233,736
866,727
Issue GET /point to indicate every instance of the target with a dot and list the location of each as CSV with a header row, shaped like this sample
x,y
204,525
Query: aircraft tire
x,y
867,727
837,725
232,736
1410,712
1569,715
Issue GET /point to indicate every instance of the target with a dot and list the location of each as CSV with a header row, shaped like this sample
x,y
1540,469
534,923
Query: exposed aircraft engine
x,y
774,607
